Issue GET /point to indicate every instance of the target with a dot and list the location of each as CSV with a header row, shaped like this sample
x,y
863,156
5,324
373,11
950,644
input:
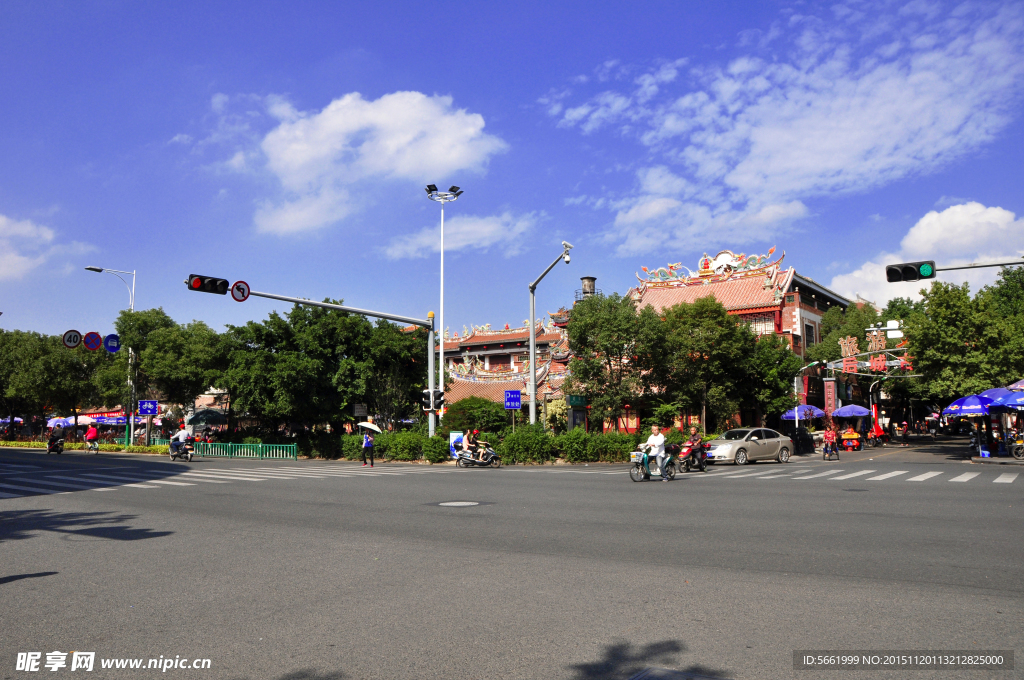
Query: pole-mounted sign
x,y
239,291
92,341
112,343
72,339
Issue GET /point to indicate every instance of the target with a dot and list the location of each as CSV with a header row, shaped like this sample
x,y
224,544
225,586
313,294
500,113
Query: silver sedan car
x,y
745,445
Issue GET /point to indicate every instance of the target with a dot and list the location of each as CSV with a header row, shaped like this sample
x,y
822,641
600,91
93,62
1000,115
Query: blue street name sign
x,y
112,343
513,400
148,407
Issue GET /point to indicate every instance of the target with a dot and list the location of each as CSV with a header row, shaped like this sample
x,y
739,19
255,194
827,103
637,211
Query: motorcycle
x,y
185,452
641,470
55,446
488,458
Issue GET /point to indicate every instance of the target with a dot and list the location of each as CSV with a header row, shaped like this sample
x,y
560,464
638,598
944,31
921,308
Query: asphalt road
x,y
324,570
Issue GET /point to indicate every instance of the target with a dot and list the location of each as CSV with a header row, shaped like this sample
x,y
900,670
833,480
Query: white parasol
x,y
370,426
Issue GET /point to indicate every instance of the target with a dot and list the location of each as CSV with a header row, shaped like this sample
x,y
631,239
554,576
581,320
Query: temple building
x,y
759,291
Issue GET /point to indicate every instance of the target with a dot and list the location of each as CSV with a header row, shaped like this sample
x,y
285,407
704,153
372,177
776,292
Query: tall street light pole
x,y
130,423
566,247
442,197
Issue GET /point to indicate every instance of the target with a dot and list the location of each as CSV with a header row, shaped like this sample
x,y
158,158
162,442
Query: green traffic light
x,y
926,270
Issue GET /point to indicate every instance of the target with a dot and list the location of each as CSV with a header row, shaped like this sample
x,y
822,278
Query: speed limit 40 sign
x,y
72,339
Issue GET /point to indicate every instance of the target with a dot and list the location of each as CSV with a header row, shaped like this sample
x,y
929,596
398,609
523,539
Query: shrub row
x,y
81,447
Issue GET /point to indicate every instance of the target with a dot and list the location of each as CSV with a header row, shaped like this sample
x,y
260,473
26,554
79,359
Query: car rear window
x,y
736,434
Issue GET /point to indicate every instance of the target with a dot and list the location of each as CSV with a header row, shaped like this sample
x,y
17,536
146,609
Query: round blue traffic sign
x,y
92,341
112,343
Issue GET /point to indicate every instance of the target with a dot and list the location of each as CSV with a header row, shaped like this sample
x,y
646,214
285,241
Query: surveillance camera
x,y
566,258
566,244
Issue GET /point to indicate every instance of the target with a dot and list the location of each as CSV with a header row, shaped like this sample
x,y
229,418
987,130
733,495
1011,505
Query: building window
x,y
809,333
760,324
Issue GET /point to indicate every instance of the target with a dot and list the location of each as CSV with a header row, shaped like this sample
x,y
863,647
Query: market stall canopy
x,y
1019,385
1011,401
806,412
973,405
7,420
851,411
84,420
208,416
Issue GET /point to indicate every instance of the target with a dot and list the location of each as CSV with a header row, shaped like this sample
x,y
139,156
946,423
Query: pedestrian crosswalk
x,y
19,480
28,480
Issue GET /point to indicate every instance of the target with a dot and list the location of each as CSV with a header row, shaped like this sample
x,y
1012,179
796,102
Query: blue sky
x,y
287,144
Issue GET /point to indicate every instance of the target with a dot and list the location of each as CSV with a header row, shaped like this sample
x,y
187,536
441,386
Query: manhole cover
x,y
458,504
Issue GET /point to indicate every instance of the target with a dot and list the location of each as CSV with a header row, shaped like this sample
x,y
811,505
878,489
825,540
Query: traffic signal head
x,y
207,284
438,400
910,271
427,402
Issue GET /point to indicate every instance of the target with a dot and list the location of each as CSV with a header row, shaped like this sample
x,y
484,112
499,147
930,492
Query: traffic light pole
x,y
978,266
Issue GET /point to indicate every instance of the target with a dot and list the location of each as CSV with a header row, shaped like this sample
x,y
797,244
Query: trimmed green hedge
x,y
111,448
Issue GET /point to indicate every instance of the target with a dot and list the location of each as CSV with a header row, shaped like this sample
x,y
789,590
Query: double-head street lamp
x,y
566,247
442,197
130,423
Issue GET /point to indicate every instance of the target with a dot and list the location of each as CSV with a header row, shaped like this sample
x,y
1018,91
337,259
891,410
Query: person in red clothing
x,y
91,437
829,438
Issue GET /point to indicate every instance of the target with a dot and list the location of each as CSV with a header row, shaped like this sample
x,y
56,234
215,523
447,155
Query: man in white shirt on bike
x,y
656,445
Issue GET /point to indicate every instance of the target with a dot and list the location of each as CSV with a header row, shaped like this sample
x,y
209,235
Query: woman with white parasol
x,y
368,439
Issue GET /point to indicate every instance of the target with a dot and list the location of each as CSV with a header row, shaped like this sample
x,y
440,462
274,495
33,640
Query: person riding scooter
x,y
656,444
696,444
179,439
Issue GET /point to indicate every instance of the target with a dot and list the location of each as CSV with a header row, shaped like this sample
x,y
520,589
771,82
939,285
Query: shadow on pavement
x,y
310,674
622,660
22,524
18,577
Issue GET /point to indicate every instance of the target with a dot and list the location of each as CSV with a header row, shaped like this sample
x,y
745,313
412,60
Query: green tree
x,y
474,413
615,350
135,330
706,353
19,393
837,323
770,372
962,345
397,370
181,362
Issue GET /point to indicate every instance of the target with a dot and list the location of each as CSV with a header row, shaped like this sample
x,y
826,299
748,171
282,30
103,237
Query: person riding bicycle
x,y
656,444
91,435
179,439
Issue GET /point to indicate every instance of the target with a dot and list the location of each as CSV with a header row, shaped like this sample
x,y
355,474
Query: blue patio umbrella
x,y
1011,401
995,393
1019,385
851,411
54,422
806,412
973,405
7,420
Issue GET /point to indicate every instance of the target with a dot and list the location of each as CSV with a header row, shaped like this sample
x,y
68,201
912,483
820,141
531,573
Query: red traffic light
x,y
207,284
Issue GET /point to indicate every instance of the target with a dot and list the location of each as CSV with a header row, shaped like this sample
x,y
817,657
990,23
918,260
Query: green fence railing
x,y
141,441
248,450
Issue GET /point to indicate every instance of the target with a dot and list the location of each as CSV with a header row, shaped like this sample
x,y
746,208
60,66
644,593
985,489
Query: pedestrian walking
x,y
368,447
905,435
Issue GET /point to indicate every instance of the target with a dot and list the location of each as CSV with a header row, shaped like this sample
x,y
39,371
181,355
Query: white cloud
x,y
840,104
319,156
955,236
25,245
506,232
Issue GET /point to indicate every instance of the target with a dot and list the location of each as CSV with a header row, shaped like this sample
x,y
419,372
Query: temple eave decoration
x,y
724,266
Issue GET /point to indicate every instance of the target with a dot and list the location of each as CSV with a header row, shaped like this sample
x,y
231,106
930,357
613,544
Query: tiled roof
x,y
501,339
748,293
491,391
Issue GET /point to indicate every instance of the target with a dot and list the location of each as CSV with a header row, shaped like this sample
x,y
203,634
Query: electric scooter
x,y
641,470
55,446
185,452
488,458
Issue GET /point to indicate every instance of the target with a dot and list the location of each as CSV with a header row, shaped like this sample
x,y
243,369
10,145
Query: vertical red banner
x,y
830,396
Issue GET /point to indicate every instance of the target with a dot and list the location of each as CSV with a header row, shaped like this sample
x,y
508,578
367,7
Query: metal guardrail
x,y
140,441
247,450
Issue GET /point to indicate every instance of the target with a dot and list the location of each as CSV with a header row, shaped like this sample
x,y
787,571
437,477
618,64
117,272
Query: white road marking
x,y
965,477
10,495
219,475
79,479
888,475
821,474
130,482
1005,478
737,475
32,489
927,475
853,474
48,482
